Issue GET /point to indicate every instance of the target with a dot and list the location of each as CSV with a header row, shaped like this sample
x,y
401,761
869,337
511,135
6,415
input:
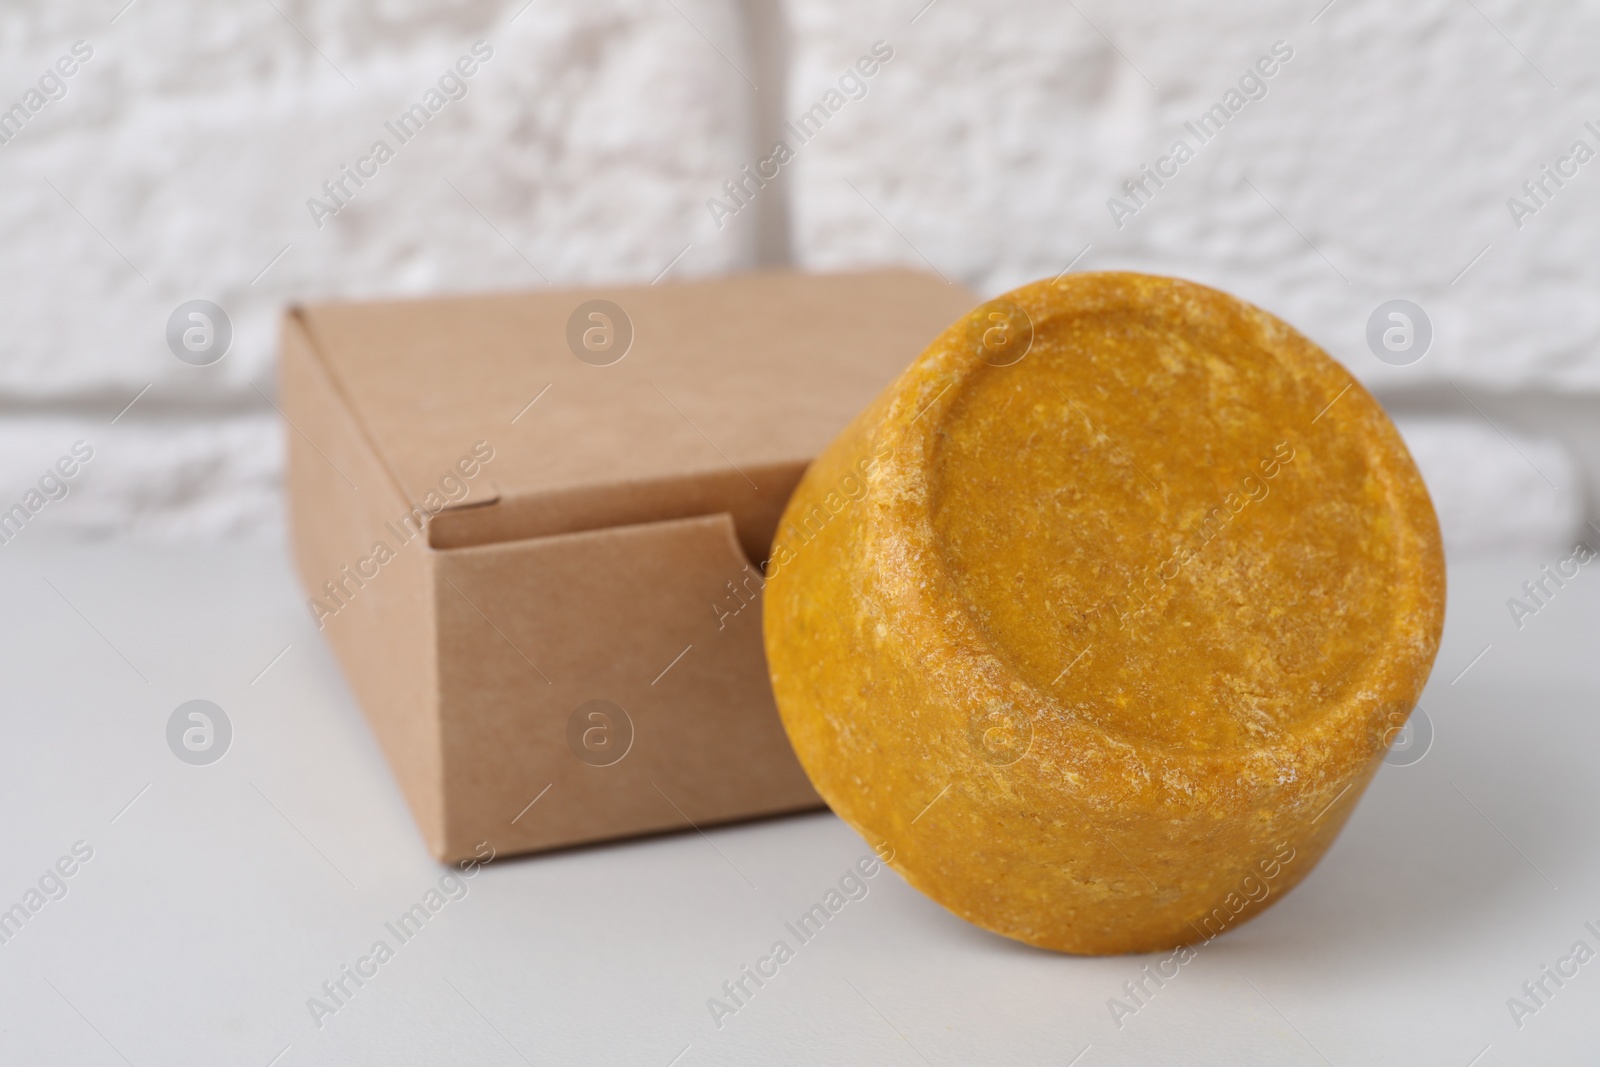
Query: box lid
x,y
724,393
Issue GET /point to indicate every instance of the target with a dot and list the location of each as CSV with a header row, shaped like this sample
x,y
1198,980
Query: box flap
x,y
727,389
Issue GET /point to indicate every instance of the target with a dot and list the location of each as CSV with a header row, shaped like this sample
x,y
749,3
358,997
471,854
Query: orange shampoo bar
x,y
1099,620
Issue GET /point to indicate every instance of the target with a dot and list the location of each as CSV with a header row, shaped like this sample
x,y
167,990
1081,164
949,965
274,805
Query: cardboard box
x,y
531,527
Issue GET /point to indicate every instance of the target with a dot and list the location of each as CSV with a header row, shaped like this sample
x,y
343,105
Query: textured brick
x,y
1494,494
166,480
1377,165
184,151
179,162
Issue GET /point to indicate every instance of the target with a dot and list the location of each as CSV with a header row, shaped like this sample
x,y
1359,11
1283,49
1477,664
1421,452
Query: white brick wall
x,y
1377,165
1491,493
176,478
1380,157
193,138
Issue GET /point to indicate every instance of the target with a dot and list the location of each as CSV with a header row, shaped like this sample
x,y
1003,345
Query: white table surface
x,y
223,896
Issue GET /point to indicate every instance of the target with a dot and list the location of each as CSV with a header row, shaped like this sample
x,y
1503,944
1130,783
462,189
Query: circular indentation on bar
x,y
1151,483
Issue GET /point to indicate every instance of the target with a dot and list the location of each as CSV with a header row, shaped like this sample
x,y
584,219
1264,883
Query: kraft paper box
x,y
531,528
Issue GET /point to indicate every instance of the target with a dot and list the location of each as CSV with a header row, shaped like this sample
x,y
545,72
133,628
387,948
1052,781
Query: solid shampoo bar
x,y
1098,621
